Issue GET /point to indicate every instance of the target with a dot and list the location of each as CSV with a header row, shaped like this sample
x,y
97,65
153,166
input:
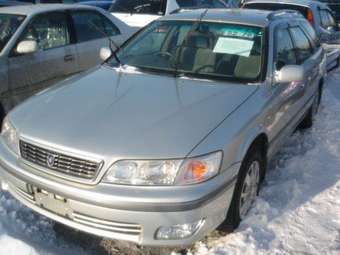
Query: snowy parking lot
x,y
297,212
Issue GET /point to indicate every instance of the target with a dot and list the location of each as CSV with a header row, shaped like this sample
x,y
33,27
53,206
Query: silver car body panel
x,y
108,114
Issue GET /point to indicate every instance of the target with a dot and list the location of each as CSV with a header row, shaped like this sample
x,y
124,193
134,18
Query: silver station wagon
x,y
170,138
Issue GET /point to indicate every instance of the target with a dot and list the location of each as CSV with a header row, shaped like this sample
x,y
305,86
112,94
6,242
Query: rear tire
x,y
253,166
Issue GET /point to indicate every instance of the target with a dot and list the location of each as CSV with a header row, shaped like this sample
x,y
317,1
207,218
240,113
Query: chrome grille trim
x,y
117,227
23,194
64,164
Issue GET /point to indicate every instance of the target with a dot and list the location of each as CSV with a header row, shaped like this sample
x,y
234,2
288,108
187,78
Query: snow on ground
x,y
297,212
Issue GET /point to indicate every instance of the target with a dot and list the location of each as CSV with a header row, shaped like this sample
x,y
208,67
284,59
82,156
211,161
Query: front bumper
x,y
119,212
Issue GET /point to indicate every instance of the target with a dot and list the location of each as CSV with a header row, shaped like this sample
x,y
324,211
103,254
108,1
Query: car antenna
x,y
111,42
192,29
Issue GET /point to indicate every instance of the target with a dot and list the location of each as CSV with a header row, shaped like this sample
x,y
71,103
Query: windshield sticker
x,y
233,46
249,33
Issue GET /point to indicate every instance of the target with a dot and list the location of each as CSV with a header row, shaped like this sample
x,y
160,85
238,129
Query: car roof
x,y
33,9
240,16
294,2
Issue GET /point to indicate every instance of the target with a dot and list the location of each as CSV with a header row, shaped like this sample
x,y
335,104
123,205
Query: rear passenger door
x,y
92,30
54,59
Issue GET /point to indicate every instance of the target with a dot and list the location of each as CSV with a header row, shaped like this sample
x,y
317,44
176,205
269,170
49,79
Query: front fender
x,y
249,138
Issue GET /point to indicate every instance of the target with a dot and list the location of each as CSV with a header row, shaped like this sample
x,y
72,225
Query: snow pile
x,y
297,212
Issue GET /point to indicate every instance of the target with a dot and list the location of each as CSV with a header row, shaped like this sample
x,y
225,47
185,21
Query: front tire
x,y
246,189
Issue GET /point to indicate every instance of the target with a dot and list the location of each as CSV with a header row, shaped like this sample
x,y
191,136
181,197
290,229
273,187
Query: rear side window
x,y
90,25
301,44
285,53
309,30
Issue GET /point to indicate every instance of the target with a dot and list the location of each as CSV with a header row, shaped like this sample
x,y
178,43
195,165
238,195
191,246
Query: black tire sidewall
x,y
233,217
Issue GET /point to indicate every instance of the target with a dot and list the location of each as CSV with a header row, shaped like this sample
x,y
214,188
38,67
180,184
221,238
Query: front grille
x,y
57,162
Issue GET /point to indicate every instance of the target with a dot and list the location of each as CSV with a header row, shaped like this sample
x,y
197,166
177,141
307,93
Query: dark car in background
x,y
335,6
5,3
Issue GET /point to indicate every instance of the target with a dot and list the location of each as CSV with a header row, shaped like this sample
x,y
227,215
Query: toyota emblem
x,y
50,160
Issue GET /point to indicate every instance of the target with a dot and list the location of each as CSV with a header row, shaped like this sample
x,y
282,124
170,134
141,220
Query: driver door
x,y
29,73
285,96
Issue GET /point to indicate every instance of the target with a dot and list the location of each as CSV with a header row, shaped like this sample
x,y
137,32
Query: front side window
x,y
302,46
90,25
214,50
109,27
49,31
9,24
285,54
154,7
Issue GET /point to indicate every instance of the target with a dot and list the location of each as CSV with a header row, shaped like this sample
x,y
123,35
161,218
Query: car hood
x,y
125,114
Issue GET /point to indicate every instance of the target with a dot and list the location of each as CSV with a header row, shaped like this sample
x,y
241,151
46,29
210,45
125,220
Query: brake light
x,y
310,17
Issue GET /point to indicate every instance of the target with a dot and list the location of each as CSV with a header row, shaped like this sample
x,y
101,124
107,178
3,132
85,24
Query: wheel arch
x,y
257,140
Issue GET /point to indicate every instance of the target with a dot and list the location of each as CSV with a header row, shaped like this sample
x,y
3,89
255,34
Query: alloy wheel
x,y
249,189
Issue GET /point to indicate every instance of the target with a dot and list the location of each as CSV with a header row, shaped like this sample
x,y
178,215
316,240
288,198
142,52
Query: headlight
x,y
10,136
164,172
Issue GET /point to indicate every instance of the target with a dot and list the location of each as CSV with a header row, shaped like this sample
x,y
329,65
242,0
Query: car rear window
x,y
277,6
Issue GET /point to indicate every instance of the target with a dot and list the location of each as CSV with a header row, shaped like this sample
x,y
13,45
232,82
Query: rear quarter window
x,y
309,30
302,45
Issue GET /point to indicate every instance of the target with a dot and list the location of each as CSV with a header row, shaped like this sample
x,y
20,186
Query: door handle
x,y
69,58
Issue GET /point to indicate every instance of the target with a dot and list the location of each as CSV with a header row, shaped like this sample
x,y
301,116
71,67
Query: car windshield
x,y
9,23
154,7
201,49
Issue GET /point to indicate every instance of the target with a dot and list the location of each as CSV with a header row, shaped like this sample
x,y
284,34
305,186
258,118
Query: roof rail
x,y
281,13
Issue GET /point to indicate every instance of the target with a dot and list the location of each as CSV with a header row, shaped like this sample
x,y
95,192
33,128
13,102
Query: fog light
x,y
180,231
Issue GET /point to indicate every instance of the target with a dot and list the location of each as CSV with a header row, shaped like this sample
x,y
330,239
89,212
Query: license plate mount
x,y
51,202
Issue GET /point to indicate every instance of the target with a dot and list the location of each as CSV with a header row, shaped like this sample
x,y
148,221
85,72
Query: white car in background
x,y
42,44
139,13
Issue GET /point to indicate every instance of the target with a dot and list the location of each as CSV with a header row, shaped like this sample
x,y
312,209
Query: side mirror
x,y
105,53
290,73
27,47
